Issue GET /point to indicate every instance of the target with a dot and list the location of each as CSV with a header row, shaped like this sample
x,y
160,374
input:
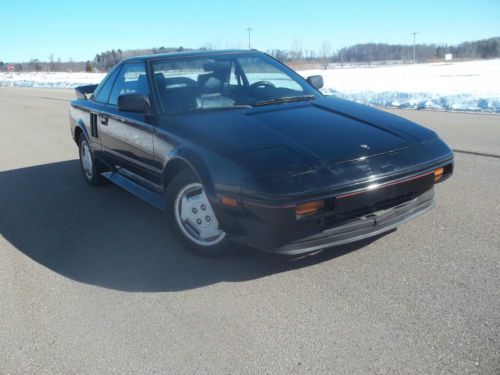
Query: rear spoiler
x,y
83,91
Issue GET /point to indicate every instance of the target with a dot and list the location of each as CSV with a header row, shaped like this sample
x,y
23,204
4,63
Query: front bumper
x,y
363,227
350,214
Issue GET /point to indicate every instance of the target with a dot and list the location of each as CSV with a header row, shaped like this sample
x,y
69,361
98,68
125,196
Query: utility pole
x,y
414,35
249,29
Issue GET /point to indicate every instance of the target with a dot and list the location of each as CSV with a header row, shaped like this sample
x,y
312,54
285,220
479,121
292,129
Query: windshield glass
x,y
225,81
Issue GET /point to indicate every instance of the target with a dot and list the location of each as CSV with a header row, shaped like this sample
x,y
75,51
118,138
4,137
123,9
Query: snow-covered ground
x,y
460,86
57,80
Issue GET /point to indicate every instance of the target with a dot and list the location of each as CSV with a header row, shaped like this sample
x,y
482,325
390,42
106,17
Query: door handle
x,y
104,120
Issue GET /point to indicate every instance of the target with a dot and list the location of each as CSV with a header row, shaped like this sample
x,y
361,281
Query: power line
x,y
249,29
414,35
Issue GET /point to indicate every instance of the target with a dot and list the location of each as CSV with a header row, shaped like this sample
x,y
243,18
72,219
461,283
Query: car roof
x,y
198,53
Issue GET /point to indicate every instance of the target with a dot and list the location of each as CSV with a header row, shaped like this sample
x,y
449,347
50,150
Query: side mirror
x,y
315,81
133,103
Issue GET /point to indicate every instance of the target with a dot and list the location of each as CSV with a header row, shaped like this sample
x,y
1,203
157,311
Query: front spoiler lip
x,y
361,228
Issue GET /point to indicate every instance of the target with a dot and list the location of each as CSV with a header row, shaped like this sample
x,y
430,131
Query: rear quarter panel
x,y
79,117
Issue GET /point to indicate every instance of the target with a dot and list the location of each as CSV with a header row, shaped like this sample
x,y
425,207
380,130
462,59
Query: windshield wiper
x,y
285,99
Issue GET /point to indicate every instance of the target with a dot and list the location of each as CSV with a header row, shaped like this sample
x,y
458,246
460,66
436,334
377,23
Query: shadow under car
x,y
106,237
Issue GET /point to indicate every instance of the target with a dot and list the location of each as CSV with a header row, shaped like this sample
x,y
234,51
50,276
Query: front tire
x,y
192,218
88,165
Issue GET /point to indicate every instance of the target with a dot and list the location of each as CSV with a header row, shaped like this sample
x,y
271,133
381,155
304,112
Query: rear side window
x,y
131,80
104,90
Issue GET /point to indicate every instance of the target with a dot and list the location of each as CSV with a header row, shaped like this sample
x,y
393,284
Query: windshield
x,y
225,82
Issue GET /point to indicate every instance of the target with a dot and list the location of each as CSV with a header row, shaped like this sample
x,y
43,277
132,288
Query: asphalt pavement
x,y
92,280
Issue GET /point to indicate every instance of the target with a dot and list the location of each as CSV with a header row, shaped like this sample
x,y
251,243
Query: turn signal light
x,y
438,174
309,208
228,201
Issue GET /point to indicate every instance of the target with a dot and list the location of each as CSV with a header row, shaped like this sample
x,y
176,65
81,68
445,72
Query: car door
x,y
127,137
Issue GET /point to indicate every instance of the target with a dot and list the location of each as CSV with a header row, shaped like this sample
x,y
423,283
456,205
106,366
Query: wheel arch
x,y
79,130
184,158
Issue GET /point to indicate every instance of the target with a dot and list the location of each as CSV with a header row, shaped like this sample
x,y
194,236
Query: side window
x,y
104,90
131,80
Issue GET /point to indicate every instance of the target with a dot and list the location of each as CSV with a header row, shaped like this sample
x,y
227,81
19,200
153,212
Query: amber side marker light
x,y
438,174
309,208
227,201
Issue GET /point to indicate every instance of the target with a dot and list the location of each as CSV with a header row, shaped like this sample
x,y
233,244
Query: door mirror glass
x,y
316,81
133,103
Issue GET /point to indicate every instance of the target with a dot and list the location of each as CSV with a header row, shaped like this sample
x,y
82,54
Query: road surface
x,y
92,281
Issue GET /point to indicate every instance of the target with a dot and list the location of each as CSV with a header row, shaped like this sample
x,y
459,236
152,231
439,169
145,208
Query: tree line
x,y
359,53
35,65
102,62
106,60
370,52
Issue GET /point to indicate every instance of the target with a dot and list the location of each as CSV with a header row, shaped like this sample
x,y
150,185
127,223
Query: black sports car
x,y
236,146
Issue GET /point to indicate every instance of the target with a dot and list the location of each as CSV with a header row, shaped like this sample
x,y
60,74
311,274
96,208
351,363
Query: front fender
x,y
217,174
197,164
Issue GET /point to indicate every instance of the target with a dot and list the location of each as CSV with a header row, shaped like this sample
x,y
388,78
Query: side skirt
x,y
153,198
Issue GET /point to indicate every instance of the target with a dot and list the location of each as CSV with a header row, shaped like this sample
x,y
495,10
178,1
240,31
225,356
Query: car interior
x,y
221,84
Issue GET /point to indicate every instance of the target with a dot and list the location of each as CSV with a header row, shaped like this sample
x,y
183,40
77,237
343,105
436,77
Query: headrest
x,y
142,83
212,86
161,81
160,78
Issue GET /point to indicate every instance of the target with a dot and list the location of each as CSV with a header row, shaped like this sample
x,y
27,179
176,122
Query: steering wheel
x,y
263,84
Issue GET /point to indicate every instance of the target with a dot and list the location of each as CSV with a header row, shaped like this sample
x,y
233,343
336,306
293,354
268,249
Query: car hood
x,y
326,130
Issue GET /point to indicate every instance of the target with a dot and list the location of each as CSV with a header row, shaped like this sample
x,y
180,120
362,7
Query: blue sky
x,y
79,29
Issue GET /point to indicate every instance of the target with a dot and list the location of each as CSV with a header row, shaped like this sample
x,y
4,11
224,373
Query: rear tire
x,y
88,164
192,218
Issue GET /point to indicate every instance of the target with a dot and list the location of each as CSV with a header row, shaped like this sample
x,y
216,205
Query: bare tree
x,y
297,51
52,66
326,49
